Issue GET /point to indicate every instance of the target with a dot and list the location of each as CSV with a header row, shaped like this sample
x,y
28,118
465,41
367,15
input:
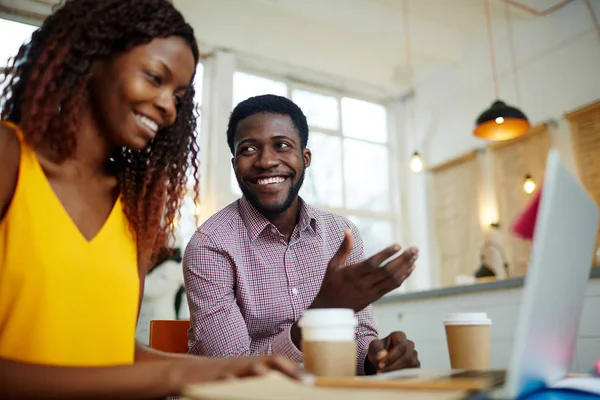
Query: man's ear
x,y
233,162
307,155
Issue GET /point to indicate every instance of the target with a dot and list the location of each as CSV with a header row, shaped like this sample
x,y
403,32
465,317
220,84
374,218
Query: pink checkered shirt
x,y
246,285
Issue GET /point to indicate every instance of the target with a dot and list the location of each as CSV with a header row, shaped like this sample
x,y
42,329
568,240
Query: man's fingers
x,y
397,337
402,355
376,260
376,351
396,271
395,344
340,257
393,282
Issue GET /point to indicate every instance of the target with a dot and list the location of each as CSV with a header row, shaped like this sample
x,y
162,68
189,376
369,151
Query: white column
x,y
416,218
215,156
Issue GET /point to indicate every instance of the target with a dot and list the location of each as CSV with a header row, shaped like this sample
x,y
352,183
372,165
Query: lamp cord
x,y
409,61
594,18
535,12
513,58
488,22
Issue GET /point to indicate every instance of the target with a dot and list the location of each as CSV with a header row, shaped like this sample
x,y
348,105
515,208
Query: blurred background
x,y
392,90
380,80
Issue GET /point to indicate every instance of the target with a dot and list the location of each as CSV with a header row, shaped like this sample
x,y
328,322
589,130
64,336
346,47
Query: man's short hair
x,y
267,104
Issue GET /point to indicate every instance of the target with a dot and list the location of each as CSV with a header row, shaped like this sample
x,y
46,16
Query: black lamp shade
x,y
513,122
484,271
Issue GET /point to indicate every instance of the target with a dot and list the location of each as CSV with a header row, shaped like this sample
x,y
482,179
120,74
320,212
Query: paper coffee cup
x,y
468,338
328,344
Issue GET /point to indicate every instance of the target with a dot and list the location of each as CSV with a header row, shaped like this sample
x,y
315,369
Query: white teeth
x,y
267,181
147,122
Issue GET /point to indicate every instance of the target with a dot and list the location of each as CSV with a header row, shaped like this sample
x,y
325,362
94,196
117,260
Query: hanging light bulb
x,y
528,184
416,165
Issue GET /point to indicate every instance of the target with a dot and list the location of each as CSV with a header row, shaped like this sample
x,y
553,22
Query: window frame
x,y
394,214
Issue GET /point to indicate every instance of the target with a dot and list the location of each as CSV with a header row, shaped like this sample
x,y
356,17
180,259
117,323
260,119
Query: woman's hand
x,y
186,371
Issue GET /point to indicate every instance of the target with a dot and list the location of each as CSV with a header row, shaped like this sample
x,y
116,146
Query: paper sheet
x,y
586,384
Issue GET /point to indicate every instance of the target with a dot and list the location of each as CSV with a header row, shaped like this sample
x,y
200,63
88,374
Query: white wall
x,y
345,44
558,69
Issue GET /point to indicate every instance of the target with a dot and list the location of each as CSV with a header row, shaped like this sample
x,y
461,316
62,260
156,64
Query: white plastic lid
x,y
467,319
328,317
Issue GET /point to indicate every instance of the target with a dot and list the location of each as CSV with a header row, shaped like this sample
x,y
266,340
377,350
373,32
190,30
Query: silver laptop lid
x,y
553,295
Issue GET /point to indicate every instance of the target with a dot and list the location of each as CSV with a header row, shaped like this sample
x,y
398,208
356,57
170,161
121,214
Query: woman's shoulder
x,y
9,137
10,154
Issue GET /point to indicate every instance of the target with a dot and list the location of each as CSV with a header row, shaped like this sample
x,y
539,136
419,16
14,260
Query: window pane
x,y
246,85
320,110
186,225
376,233
366,175
323,180
364,120
13,35
199,84
3,84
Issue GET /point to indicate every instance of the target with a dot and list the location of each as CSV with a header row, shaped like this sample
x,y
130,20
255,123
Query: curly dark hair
x,y
267,103
48,83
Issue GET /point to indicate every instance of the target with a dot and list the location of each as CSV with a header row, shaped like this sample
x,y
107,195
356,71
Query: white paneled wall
x,y
421,320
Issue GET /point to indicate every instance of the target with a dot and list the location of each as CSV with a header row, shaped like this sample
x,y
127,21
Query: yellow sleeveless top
x,y
64,300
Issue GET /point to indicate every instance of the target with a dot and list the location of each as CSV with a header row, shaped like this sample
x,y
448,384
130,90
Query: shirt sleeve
x,y
366,331
218,328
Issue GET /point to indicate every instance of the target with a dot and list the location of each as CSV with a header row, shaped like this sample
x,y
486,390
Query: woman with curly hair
x,y
98,132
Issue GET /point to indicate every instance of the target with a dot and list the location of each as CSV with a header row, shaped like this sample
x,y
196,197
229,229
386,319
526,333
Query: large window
x,y
14,35
350,170
189,210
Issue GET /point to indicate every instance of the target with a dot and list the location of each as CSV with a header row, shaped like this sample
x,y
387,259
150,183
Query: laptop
x,y
555,285
553,295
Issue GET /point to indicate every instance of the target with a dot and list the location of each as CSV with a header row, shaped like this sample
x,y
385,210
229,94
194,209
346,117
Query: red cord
x,y
536,12
511,46
409,63
594,18
488,21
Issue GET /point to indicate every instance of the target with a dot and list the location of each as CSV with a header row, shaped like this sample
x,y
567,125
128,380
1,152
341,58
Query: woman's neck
x,y
92,149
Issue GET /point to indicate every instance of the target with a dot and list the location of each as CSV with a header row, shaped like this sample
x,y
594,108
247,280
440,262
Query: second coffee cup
x,y
328,344
468,338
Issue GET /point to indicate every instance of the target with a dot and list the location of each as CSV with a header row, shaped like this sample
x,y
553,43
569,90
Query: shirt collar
x,y
256,223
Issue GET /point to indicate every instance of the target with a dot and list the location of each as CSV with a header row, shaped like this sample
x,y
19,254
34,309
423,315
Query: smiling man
x,y
253,268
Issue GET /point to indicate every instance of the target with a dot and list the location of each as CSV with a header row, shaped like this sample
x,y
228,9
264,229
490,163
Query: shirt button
x,y
294,291
273,230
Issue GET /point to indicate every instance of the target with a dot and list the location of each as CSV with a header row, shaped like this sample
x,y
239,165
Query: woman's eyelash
x,y
155,78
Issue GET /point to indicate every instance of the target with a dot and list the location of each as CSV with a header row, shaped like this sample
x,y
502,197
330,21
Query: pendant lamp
x,y
501,121
416,165
528,184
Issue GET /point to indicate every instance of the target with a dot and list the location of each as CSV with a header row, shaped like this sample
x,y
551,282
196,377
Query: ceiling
x,y
440,21
441,31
